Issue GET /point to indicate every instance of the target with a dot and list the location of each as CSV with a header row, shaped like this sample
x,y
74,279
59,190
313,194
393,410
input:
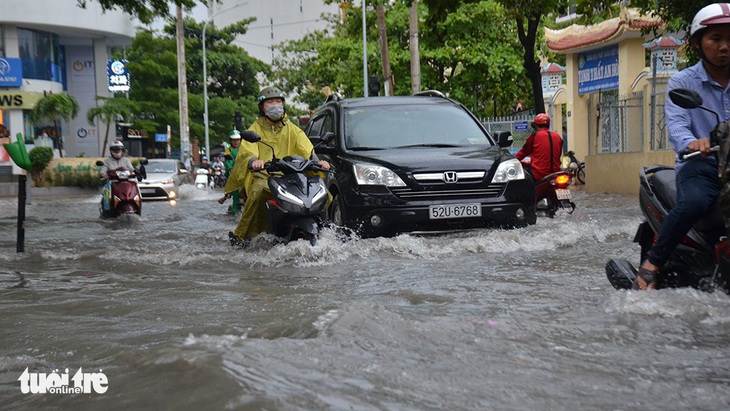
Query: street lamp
x,y
205,78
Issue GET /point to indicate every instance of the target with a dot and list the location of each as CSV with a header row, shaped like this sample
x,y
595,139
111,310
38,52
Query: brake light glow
x,y
562,180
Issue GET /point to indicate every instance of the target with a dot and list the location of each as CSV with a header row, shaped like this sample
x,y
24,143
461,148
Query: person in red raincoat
x,y
544,147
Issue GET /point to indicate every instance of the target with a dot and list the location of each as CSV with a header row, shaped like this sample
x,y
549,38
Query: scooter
x,y
218,179
702,259
121,195
552,193
202,180
298,207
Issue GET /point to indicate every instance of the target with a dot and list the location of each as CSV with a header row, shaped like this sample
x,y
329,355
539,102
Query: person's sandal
x,y
647,277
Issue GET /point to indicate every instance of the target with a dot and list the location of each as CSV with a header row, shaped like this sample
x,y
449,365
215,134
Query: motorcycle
x,y
552,192
218,179
702,259
578,168
298,207
122,196
202,179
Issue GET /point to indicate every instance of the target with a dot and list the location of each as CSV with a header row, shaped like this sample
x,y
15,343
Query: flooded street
x,y
483,320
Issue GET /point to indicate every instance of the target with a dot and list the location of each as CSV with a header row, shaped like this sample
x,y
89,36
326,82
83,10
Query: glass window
x,y
2,42
39,52
379,127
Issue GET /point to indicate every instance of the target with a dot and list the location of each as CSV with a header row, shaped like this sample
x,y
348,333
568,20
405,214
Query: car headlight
x,y
167,181
373,175
508,171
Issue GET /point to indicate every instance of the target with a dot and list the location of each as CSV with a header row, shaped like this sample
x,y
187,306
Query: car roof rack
x,y
333,97
430,93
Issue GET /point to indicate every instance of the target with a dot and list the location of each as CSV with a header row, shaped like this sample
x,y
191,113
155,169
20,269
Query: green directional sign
x,y
18,152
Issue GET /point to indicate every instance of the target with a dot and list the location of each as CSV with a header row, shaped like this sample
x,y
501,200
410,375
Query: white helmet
x,y
714,14
116,144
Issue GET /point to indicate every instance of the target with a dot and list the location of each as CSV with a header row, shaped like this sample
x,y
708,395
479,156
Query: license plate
x,y
562,193
147,190
437,212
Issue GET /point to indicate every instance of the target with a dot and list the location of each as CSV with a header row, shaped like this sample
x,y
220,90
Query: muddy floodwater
x,y
173,318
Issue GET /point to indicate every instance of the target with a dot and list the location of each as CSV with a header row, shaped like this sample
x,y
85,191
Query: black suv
x,y
418,163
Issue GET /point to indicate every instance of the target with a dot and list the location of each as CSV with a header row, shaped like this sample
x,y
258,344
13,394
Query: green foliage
x,y
39,159
111,110
145,10
55,107
471,53
75,178
232,84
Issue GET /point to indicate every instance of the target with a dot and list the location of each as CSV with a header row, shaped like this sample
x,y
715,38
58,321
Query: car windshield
x,y
381,127
160,167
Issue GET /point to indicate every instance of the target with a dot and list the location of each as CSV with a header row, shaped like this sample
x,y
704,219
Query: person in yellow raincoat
x,y
287,139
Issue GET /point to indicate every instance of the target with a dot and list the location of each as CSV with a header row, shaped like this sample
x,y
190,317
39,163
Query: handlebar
x,y
688,155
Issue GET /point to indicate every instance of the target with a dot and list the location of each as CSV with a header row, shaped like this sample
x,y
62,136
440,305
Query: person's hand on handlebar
x,y
324,165
702,145
258,165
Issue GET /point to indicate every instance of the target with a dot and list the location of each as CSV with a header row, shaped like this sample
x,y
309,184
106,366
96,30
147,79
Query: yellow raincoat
x,y
286,139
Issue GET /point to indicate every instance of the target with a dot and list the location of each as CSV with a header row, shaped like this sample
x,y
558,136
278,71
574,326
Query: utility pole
x,y
182,85
415,55
380,13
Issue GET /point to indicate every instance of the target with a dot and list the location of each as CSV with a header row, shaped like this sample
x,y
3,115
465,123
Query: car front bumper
x,y
158,191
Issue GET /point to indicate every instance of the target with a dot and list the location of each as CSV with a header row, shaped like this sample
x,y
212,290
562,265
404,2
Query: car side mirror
x,y
504,138
327,138
251,136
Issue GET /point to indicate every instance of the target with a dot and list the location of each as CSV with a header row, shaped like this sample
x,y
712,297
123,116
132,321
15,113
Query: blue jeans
x,y
698,187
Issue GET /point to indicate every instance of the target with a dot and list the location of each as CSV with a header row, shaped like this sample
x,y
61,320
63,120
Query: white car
x,y
164,177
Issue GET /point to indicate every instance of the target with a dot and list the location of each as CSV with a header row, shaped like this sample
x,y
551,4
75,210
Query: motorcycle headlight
x,y
289,196
322,193
374,175
508,171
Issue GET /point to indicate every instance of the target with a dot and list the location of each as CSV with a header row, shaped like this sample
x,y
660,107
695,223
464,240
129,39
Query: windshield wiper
x,y
365,148
438,145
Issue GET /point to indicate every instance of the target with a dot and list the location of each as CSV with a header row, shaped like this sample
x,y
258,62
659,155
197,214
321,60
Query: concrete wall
x,y
618,173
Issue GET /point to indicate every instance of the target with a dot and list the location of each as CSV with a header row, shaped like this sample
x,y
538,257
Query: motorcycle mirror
x,y
250,136
685,98
688,98
144,161
99,163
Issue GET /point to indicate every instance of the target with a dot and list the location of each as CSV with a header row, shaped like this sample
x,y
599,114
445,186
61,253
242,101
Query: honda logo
x,y
450,177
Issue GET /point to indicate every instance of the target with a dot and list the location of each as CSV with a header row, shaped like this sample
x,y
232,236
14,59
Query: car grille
x,y
452,193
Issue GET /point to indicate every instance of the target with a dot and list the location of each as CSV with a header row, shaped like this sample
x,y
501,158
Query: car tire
x,y
337,211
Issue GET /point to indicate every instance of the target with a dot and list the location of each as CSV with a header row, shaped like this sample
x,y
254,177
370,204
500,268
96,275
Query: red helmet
x,y
541,119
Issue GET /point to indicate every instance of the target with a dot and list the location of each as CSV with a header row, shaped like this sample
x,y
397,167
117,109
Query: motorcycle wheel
x,y
580,174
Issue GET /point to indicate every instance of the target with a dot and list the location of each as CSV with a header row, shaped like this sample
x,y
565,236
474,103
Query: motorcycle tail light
x,y
562,180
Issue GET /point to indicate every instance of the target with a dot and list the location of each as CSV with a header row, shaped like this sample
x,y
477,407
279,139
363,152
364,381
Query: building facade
x,y
54,46
276,21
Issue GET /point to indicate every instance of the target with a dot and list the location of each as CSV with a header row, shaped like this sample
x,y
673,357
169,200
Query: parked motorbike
x,y
578,168
298,207
202,179
552,193
702,259
122,196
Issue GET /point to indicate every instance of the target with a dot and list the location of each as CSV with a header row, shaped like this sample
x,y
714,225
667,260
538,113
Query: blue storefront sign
x,y
161,138
598,70
117,75
11,72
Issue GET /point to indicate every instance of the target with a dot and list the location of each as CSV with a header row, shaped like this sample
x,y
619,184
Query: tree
x,y
464,55
56,107
110,111
232,84
145,10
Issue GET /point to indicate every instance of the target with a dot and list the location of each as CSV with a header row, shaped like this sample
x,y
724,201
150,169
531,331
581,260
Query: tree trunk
x,y
387,80
531,65
59,138
415,56
106,140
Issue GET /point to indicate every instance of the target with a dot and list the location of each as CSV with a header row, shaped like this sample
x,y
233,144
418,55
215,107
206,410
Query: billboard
x,y
598,70
117,75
